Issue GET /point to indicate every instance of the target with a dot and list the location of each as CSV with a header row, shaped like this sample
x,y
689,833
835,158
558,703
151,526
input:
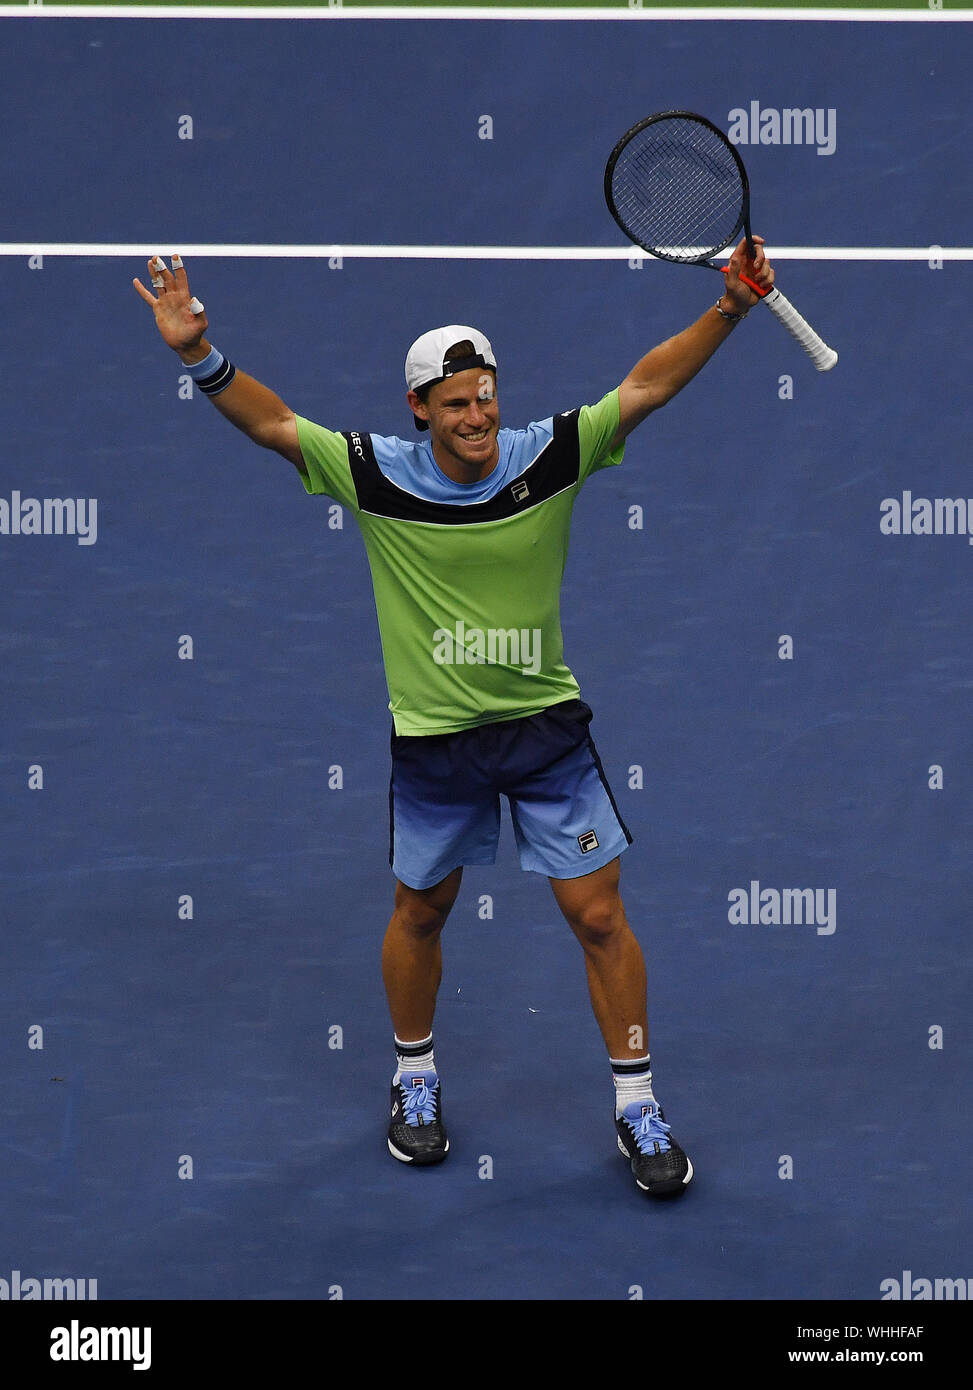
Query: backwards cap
x,y
426,363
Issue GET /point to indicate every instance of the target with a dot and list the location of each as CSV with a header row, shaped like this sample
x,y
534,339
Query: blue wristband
x,y
213,374
211,363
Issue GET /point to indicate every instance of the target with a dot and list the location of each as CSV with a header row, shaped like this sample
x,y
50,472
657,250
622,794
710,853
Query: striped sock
x,y
633,1081
413,1056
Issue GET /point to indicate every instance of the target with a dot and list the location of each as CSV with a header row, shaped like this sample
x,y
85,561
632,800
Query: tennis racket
x,y
677,188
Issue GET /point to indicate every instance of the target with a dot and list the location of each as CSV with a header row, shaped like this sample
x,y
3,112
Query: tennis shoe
x,y
659,1166
416,1130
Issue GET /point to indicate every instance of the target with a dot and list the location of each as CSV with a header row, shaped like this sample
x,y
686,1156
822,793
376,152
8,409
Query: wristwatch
x,y
730,318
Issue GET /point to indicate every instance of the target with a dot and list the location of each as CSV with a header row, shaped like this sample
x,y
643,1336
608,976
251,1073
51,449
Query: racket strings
x,y
694,185
679,201
678,190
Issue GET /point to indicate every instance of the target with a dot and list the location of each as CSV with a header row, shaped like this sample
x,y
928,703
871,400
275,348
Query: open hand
x,y
180,327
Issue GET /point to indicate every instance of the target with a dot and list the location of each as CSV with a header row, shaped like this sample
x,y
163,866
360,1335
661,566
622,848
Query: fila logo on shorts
x,y
588,841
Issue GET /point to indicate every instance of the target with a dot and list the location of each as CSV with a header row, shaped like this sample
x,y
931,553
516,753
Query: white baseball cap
x,y
425,362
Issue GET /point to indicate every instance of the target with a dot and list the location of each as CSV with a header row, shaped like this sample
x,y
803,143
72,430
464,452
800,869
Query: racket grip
x,y
821,355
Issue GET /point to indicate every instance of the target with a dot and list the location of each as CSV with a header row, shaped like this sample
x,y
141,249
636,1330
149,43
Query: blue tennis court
x,y
817,1073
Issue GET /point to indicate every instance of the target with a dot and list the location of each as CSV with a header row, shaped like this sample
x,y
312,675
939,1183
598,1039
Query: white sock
x,y
413,1056
633,1081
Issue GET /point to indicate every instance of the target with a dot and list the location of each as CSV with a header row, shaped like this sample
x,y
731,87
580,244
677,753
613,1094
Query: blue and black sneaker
x,y
659,1166
416,1131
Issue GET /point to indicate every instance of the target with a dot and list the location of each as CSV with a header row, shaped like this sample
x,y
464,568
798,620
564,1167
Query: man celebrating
x,y
467,536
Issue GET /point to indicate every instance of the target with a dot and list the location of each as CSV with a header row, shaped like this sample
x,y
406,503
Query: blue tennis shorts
x,y
445,789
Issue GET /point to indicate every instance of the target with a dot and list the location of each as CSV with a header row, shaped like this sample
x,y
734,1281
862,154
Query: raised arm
x,y
663,372
253,408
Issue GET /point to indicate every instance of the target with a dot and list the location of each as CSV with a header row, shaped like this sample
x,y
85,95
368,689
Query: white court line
x,y
534,12
141,249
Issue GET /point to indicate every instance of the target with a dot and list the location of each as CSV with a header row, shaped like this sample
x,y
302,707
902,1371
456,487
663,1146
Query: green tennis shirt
x,y
467,577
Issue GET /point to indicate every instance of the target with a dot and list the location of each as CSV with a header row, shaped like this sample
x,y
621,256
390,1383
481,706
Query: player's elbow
x,y
277,432
638,400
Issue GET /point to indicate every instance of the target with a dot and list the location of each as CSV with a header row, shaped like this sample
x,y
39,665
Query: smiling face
x,y
464,418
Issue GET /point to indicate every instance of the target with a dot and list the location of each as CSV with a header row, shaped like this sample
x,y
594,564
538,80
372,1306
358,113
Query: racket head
x,y
677,187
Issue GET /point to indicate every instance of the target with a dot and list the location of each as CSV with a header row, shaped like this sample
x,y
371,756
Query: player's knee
x,y
419,919
599,921
423,912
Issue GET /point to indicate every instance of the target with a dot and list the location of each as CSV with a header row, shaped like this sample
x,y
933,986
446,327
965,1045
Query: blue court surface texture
x,y
818,1078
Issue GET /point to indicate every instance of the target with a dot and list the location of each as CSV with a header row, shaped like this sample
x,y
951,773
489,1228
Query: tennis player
x,y
466,532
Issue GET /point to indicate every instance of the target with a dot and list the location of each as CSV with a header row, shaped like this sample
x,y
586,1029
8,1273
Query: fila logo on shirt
x,y
588,841
519,490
